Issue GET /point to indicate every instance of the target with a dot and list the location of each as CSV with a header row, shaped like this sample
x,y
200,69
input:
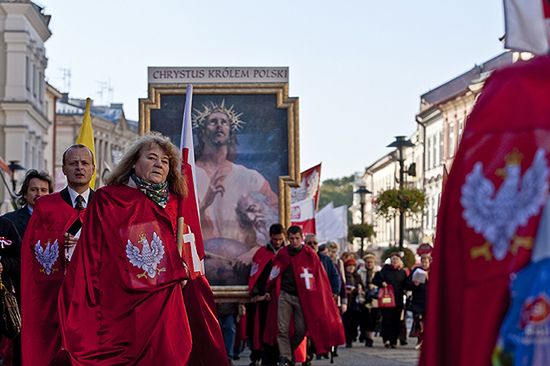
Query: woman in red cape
x,y
121,302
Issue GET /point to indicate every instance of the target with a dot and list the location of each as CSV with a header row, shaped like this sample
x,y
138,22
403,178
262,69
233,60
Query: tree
x,y
338,191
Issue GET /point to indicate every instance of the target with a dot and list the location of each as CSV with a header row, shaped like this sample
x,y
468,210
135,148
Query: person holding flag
x,y
121,301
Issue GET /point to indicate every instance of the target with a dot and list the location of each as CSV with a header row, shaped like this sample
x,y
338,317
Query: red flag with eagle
x,y
489,215
208,346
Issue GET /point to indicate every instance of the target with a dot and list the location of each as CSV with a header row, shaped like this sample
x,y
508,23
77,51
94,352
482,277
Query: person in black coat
x,y
12,229
354,286
394,275
13,225
418,284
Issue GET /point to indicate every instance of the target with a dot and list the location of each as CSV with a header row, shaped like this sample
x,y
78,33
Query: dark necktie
x,y
79,203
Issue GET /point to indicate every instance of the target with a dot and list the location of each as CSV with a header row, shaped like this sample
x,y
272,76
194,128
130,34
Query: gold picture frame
x,y
156,100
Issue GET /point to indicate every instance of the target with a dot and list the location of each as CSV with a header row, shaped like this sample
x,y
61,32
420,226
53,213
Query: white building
x,y
25,128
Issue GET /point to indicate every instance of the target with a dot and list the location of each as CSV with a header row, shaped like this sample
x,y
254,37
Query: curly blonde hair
x,y
125,168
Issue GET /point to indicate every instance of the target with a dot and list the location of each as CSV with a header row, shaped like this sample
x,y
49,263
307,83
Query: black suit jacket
x,y
12,228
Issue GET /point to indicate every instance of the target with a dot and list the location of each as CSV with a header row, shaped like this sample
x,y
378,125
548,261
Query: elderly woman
x,y
121,302
394,275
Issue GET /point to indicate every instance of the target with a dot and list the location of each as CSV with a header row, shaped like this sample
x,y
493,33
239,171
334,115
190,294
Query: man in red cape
x,y
46,244
299,282
489,215
257,310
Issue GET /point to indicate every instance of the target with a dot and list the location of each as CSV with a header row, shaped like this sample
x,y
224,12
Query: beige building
x,y
440,123
112,134
441,120
25,116
383,175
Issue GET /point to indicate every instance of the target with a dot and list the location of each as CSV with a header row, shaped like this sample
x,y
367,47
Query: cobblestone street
x,y
359,355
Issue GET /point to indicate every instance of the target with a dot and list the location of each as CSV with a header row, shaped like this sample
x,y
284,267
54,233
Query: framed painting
x,y
247,157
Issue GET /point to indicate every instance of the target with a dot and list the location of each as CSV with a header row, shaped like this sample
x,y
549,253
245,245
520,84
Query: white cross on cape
x,y
307,277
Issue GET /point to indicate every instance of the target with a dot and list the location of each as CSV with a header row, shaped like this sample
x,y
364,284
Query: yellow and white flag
x,y
86,135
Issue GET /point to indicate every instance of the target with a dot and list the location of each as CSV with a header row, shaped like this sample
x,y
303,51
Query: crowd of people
x,y
100,275
277,322
86,266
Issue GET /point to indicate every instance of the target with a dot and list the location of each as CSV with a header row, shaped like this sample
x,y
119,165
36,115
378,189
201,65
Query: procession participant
x,y
259,272
127,270
49,240
12,229
300,290
392,274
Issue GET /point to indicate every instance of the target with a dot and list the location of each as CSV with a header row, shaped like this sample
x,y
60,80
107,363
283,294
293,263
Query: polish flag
x,y
527,25
192,246
208,345
304,200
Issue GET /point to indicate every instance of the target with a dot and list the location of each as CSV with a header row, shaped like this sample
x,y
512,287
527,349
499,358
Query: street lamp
x,y
14,166
362,191
399,143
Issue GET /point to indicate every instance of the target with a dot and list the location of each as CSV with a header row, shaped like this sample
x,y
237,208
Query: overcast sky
x,y
358,67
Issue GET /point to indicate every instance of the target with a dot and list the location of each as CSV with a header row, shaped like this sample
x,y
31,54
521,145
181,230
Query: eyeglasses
x,y
311,243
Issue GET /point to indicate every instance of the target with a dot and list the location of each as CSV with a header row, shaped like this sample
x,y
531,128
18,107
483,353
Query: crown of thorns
x,y
199,116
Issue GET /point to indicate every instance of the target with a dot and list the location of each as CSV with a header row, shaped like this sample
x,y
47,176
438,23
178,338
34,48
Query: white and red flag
x,y
193,246
527,25
304,200
208,345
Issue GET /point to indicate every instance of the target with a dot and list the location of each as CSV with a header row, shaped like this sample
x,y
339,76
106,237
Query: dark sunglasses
x,y
311,243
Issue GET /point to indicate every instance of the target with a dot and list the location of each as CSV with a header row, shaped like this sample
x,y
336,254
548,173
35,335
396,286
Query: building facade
x,y
25,127
440,121
382,175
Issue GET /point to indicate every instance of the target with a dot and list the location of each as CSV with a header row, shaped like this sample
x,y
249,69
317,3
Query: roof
x,y
459,85
72,106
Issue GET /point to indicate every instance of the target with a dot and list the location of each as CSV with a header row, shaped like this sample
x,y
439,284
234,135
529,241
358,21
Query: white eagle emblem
x,y
149,257
497,215
274,272
47,257
254,268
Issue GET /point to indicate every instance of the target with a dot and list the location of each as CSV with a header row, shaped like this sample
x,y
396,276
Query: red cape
x,y
261,259
208,347
40,335
323,322
112,311
468,293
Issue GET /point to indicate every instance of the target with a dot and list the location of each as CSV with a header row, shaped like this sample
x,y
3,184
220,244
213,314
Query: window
x,y
440,147
40,86
451,139
434,150
28,73
35,80
429,154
